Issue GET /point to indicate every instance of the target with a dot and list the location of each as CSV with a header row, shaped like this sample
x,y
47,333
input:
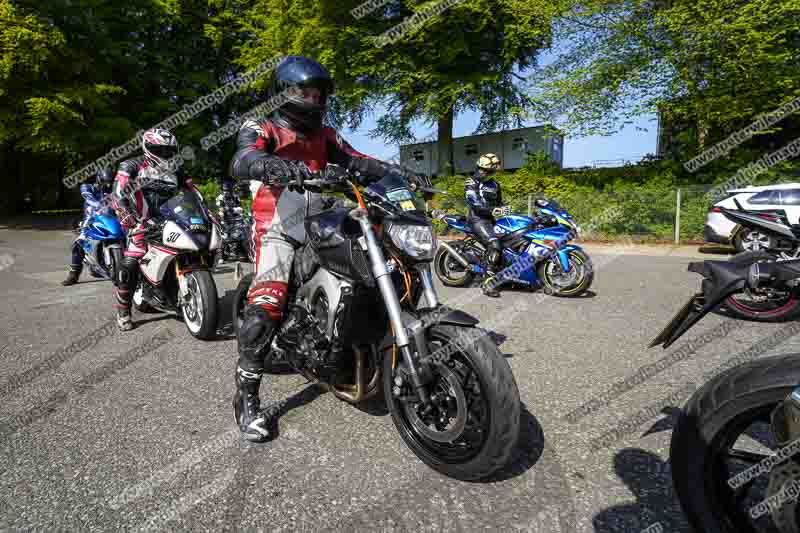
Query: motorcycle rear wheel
x,y
773,310
475,394
449,271
710,432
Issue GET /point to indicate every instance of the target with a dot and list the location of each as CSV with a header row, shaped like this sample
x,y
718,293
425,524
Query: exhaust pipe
x,y
458,257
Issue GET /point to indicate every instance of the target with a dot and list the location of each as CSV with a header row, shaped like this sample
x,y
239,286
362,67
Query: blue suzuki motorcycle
x,y
536,252
103,240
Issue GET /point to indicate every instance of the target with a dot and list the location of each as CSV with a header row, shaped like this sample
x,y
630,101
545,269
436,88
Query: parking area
x,y
102,430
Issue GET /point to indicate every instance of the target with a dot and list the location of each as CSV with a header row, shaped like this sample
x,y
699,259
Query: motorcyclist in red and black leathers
x,y
292,143
141,186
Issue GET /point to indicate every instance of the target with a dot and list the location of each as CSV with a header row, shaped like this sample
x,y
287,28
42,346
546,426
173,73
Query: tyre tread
x,y
708,410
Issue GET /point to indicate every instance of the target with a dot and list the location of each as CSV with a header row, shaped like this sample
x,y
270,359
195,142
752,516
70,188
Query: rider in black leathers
x,y
483,195
93,195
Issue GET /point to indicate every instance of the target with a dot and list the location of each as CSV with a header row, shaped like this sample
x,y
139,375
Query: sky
x,y
629,144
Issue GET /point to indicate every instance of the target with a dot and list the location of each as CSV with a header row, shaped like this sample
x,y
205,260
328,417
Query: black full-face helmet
x,y
304,86
105,178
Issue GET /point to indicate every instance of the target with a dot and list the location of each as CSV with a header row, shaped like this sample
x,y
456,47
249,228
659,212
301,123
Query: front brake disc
x,y
456,425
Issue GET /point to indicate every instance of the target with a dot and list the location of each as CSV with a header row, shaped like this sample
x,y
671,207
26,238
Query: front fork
x,y
563,259
389,294
185,264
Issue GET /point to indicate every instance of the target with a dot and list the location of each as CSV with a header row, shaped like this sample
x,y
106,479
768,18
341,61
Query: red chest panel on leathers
x,y
312,150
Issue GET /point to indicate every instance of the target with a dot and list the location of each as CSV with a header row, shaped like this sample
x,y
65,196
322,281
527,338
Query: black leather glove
x,y
274,170
335,173
371,168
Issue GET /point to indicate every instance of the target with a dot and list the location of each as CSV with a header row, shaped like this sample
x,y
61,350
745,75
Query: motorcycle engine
x,y
303,338
327,317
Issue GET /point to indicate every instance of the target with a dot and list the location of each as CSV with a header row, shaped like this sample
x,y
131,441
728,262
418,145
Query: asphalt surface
x,y
102,430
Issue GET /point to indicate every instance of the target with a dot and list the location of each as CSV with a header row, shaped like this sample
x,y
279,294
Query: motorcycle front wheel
x,y
472,430
567,284
724,430
199,309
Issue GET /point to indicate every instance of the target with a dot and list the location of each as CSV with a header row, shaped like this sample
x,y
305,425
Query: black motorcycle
x,y
781,243
364,319
236,227
738,419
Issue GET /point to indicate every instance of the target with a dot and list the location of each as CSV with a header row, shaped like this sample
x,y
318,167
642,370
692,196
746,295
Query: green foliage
x,y
211,189
79,77
711,66
632,200
464,58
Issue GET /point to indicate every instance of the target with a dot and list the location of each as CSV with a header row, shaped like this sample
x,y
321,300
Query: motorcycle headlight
x,y
418,242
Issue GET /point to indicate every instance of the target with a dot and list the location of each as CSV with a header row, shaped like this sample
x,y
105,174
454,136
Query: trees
x,y
468,57
712,64
80,77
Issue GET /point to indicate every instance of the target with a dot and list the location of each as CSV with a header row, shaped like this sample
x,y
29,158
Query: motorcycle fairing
x,y
100,229
458,222
177,237
104,228
512,223
155,263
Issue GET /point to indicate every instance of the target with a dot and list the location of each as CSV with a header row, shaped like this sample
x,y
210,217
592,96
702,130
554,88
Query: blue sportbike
x,y
103,240
536,252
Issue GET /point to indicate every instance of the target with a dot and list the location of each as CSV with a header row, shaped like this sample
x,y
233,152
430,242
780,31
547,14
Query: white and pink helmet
x,y
159,146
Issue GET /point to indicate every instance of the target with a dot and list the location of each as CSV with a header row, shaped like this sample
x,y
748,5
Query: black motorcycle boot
x,y
490,282
488,286
254,337
247,406
73,276
123,290
123,307
124,321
